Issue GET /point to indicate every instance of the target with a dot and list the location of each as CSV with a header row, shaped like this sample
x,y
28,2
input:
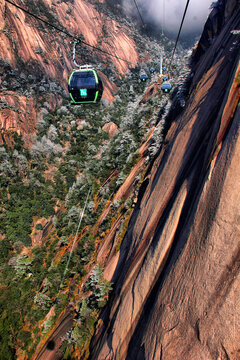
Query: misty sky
x,y
152,10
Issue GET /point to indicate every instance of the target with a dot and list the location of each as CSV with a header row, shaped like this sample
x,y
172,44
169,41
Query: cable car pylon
x,y
161,65
166,86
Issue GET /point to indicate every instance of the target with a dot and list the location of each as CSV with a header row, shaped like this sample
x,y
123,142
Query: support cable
x,y
179,32
163,17
67,33
74,54
81,214
139,13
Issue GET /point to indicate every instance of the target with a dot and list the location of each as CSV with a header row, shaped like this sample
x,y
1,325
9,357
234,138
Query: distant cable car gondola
x,y
164,78
143,77
166,87
152,70
85,86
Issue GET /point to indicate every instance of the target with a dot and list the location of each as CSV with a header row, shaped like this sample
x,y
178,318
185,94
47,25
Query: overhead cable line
x,y
139,13
81,214
179,32
163,17
67,33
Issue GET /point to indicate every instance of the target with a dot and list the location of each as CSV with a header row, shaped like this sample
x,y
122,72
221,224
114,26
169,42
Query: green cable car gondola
x,y
85,86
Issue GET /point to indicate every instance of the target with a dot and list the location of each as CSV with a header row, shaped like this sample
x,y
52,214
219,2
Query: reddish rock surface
x,y
110,128
176,293
2,22
50,350
49,52
153,89
13,117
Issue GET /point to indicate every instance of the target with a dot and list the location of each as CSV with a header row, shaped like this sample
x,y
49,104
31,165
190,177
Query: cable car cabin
x,y
164,78
85,86
166,87
152,70
143,77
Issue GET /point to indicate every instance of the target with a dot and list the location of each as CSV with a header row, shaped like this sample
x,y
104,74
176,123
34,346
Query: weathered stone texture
x,y
2,7
176,282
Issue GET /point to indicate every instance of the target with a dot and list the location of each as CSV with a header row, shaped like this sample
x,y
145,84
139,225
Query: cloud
x,y
167,14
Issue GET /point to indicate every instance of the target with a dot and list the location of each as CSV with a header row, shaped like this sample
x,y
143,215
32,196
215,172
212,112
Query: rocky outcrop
x,y
2,22
110,128
52,49
222,11
177,276
36,60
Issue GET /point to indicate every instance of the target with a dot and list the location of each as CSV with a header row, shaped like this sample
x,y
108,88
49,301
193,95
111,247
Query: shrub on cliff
x,y
99,286
45,147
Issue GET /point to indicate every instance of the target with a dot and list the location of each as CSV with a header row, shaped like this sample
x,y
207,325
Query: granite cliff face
x,y
162,219
55,269
36,60
176,280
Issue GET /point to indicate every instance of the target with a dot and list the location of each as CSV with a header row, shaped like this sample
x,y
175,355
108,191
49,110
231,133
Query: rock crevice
x,y
178,270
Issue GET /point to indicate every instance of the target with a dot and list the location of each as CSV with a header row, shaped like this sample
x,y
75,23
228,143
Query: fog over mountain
x,y
166,15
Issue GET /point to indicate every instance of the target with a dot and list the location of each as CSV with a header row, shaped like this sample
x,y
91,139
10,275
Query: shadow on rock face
x,y
51,345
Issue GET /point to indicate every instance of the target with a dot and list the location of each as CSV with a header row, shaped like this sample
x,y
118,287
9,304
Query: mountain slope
x,y
176,280
55,269
36,60
161,224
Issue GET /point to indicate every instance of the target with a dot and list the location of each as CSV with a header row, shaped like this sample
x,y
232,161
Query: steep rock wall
x,y
176,281
32,53
32,42
2,22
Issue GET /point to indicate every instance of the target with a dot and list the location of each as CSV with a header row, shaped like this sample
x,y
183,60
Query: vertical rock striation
x,y
2,21
36,59
176,281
